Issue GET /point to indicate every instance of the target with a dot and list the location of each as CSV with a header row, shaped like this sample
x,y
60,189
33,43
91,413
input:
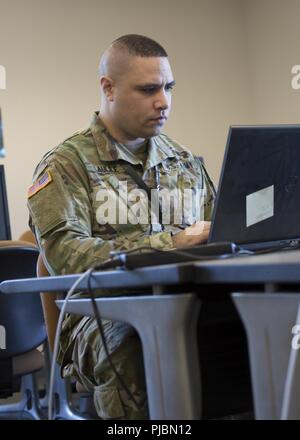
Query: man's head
x,y
136,85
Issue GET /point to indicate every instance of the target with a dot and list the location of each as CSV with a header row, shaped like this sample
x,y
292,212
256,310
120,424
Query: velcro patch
x,y
43,181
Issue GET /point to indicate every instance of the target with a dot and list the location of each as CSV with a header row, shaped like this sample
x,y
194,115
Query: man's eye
x,y
148,89
169,88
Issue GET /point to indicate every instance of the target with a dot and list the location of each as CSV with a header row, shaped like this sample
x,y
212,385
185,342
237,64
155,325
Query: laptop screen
x,y
258,199
5,233
2,150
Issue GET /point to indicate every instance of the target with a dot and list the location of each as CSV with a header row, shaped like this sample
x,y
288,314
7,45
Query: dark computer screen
x,y
2,149
259,191
5,233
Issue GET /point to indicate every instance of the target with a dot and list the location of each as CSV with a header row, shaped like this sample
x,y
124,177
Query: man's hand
x,y
195,234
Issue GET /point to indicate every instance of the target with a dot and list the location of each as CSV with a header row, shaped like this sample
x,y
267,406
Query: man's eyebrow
x,y
146,85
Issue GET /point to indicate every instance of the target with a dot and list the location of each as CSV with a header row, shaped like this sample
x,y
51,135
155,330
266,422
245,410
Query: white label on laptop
x,y
260,205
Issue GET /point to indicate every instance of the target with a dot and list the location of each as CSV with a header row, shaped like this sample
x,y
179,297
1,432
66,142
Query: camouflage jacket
x,y
65,199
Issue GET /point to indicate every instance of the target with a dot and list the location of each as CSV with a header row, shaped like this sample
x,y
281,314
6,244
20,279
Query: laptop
x,y
257,205
2,150
257,202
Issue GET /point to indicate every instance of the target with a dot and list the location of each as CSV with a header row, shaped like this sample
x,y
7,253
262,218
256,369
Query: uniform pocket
x,y
108,403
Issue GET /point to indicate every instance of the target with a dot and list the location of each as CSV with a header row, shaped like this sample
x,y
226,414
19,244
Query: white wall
x,y
51,49
274,47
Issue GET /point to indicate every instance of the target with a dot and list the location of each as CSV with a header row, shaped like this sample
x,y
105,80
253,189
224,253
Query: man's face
x,y
141,97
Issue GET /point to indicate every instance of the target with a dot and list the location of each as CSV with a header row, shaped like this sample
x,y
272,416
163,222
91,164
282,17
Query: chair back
x,y
28,236
50,309
21,315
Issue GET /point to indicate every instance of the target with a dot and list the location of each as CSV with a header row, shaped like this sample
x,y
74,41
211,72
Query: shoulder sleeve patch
x,y
43,181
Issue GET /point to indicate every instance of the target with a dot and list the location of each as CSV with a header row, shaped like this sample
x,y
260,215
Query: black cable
x,y
130,251
102,334
117,257
284,246
114,261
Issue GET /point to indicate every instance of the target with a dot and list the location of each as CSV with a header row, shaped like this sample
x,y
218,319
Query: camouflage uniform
x,y
63,204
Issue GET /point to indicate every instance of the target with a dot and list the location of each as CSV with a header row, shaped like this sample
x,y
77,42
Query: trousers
x,y
93,370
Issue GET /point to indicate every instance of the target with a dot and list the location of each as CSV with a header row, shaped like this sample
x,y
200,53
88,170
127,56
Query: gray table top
x,y
279,267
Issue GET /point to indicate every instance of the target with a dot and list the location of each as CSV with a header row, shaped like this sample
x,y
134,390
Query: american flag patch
x,y
43,181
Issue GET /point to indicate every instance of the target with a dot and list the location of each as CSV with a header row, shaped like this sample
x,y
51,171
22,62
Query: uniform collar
x,y
159,150
111,150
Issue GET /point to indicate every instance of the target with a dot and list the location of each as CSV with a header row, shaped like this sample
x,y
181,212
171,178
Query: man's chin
x,y
154,131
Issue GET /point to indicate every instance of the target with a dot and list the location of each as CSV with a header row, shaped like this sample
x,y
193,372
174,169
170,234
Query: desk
x,y
169,347
162,381
279,267
269,320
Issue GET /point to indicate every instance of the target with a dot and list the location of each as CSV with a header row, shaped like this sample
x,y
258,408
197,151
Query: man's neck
x,y
133,145
139,148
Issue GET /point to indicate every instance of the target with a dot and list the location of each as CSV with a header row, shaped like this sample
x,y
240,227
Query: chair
x,y
63,398
28,237
23,330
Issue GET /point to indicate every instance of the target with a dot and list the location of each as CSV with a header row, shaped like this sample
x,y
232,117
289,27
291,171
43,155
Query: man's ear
x,y
107,86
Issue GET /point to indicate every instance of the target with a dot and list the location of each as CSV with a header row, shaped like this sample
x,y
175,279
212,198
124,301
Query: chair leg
x,y
29,404
62,398
46,370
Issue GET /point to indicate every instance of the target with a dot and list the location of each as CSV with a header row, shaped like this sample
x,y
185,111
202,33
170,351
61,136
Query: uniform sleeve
x,y
210,195
61,217
208,191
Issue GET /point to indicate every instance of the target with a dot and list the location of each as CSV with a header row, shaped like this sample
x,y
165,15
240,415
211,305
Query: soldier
x,y
67,216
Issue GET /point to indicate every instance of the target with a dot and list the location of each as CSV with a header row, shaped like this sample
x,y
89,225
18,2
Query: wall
x,y
273,48
50,51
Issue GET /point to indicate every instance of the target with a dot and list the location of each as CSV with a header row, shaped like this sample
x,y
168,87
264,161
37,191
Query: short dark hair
x,y
139,45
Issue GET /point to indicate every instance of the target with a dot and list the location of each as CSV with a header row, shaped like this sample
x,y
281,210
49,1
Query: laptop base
x,y
182,255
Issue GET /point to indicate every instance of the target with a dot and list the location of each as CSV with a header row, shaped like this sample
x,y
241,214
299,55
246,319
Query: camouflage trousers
x,y
93,370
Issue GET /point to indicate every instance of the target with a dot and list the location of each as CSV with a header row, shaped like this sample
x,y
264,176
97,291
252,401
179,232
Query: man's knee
x,y
113,399
111,402
95,371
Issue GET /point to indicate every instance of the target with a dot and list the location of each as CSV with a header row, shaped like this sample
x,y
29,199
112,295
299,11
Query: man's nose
x,y
162,100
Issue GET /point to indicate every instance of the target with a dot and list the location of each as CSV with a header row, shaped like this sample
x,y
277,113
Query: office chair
x,y
64,406
22,322
64,400
28,237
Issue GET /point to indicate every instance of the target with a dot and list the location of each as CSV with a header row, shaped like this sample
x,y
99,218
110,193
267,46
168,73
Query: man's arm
x,y
62,215
198,233
192,235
